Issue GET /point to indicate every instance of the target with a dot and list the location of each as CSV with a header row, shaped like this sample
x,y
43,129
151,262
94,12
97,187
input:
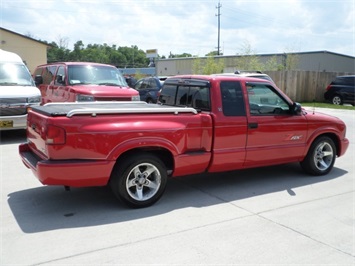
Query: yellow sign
x,y
151,53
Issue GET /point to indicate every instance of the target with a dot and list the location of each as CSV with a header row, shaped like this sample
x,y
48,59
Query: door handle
x,y
253,125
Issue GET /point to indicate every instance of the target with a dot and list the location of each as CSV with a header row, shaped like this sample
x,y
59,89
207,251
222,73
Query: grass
x,y
328,105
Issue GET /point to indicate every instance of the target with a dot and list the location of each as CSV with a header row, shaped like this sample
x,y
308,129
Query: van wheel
x,y
320,157
337,100
139,181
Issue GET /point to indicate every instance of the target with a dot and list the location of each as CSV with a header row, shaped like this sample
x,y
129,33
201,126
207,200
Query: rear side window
x,y
38,71
48,74
185,95
167,95
232,98
350,81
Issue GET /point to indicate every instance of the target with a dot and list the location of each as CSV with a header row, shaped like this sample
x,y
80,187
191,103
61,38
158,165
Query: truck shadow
x,y
48,208
12,136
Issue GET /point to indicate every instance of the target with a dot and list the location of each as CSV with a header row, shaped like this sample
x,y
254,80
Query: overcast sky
x,y
189,26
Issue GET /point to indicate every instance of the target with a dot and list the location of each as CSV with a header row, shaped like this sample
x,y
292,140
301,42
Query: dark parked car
x,y
130,81
148,88
341,90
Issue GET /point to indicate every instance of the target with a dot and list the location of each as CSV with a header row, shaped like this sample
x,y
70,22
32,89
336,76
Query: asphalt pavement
x,y
267,216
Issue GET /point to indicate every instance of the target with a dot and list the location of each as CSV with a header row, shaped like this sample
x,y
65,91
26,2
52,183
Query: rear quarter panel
x,y
105,137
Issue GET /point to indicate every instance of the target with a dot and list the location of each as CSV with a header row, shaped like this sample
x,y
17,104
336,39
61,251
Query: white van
x,y
17,91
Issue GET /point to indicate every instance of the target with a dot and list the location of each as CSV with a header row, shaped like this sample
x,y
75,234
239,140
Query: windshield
x,y
98,75
12,74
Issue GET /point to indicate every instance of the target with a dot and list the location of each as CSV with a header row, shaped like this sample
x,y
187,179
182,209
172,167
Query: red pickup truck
x,y
203,124
82,82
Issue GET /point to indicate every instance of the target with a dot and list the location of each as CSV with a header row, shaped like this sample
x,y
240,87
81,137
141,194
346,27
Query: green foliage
x,y
249,60
121,57
139,75
207,66
179,55
213,53
273,65
291,61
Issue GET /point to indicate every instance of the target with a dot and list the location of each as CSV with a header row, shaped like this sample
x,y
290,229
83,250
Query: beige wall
x,y
32,52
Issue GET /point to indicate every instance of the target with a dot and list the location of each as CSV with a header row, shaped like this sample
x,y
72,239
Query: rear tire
x,y
337,100
320,157
139,181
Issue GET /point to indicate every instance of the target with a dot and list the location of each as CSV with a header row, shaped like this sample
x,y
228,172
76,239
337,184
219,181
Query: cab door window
x,y
60,78
141,84
263,100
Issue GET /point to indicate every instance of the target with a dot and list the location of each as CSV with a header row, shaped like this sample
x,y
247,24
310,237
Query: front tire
x,y
139,181
320,157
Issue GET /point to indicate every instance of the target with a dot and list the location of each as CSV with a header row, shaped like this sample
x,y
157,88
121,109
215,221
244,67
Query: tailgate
x,y
40,133
35,133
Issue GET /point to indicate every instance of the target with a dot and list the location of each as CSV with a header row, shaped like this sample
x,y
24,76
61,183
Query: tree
x,y
207,66
179,55
248,60
77,53
291,61
213,53
273,64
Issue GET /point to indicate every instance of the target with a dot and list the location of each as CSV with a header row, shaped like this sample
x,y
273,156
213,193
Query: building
x,y
145,71
320,61
32,52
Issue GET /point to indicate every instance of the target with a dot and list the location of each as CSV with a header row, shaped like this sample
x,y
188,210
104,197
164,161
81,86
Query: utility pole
x,y
219,20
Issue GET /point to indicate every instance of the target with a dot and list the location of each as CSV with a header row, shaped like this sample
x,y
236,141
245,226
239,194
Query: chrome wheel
x,y
139,180
323,156
337,100
143,182
320,157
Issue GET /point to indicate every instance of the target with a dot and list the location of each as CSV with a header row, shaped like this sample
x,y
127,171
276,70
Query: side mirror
x,y
60,79
38,80
296,108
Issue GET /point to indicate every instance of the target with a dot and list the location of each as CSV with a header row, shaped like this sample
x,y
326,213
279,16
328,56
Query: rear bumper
x,y
73,173
18,122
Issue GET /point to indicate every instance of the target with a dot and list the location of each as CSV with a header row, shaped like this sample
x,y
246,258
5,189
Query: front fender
x,y
326,130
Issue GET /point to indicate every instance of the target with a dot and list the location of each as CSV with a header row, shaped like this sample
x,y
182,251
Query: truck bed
x,y
93,108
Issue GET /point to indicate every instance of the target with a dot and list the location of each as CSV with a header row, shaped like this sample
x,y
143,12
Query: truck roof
x,y
6,56
215,77
77,64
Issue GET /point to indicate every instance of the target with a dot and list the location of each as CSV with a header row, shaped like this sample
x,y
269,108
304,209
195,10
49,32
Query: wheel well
x,y
164,155
334,138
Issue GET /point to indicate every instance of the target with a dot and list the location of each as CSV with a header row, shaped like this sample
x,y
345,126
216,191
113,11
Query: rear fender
x,y
144,143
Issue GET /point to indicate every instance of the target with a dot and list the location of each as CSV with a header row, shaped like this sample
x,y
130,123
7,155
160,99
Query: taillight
x,y
55,135
328,88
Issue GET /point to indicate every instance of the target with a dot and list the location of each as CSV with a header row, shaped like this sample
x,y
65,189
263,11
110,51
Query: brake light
x,y
55,135
328,88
